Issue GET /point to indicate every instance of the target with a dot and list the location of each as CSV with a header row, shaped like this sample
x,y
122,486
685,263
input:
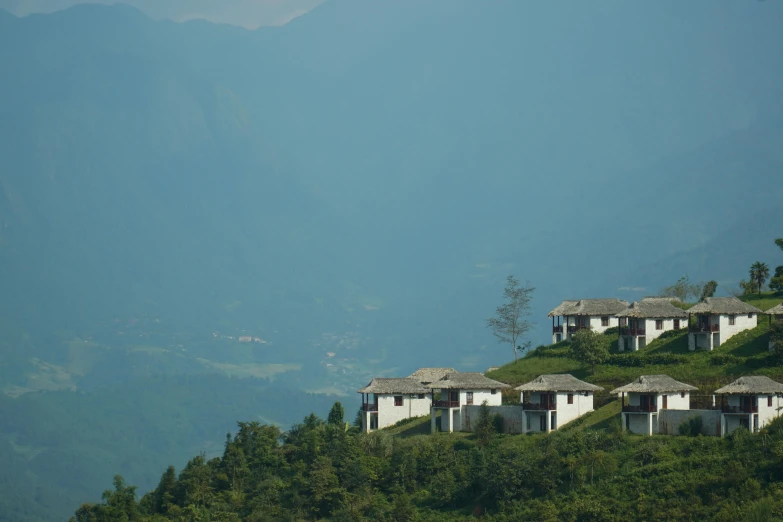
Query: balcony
x,y
632,331
650,408
747,408
445,404
575,328
539,406
369,407
557,329
703,328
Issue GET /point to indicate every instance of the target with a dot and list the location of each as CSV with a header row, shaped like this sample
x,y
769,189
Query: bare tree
x,y
509,324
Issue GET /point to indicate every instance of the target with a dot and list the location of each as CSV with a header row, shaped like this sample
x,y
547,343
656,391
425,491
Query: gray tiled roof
x,y
556,383
591,307
775,310
394,385
723,305
757,384
654,384
426,375
466,381
653,309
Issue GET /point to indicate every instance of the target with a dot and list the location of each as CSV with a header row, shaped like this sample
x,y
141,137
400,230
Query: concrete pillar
x,y
433,426
622,419
649,425
691,341
750,423
621,343
366,422
445,420
525,422
548,421
722,425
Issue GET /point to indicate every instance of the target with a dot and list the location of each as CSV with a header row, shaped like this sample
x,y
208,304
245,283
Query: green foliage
x,y
749,287
485,427
336,415
589,348
759,272
708,290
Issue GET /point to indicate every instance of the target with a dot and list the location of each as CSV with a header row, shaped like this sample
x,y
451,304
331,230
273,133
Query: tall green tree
x,y
509,324
759,272
708,290
589,348
336,415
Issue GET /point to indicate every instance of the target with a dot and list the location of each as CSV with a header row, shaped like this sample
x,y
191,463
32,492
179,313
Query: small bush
x,y
498,423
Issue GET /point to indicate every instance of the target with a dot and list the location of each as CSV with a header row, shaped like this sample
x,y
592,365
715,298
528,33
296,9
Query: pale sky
x,y
245,13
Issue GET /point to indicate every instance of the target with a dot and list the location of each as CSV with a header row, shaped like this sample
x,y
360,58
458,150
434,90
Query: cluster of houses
x,y
710,323
650,404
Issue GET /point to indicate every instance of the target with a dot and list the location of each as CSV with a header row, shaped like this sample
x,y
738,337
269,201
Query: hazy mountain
x,y
245,13
352,188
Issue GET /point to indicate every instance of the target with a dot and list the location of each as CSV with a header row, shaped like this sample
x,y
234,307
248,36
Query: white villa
x,y
645,320
775,314
718,319
646,396
571,316
750,402
458,390
386,401
553,400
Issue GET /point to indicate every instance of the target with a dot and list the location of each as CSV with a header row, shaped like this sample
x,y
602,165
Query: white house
x,y
458,390
572,316
645,320
718,319
750,402
647,395
386,401
775,314
549,401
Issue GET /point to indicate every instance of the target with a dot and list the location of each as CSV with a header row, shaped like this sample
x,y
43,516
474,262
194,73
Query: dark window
x,y
750,315
570,398
665,401
731,320
604,321
398,400
676,324
494,392
769,401
421,396
682,395
658,324
469,397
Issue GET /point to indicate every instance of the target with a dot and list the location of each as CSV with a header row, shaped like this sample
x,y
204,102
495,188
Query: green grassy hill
x,y
744,354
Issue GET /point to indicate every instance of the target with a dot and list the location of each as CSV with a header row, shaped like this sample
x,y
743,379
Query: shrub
x,y
691,427
498,423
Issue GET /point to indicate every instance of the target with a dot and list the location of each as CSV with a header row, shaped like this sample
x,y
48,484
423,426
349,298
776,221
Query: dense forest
x,y
326,470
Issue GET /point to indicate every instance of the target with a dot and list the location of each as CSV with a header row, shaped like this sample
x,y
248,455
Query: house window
x,y
421,396
604,321
769,401
494,392
682,395
659,324
398,400
623,321
750,315
570,398
676,324
469,397
731,320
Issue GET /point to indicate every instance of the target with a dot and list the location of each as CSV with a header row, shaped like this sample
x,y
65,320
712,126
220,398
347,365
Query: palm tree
x,y
759,272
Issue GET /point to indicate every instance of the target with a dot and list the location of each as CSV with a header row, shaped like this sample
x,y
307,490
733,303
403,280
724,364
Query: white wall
x,y
389,414
479,396
741,323
568,412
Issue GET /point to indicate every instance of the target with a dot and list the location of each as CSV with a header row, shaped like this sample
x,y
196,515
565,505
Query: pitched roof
x,y
394,385
556,383
466,381
775,310
754,384
723,305
592,307
430,374
653,309
654,384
